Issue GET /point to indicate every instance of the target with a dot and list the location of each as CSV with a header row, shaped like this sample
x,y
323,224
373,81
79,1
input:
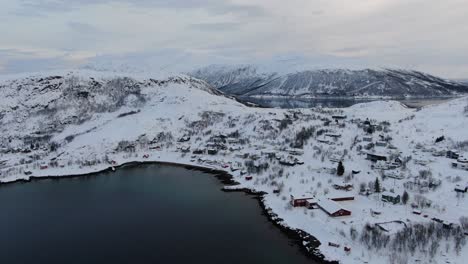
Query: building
x,y
381,143
391,197
452,154
339,117
332,208
302,200
376,157
212,151
462,189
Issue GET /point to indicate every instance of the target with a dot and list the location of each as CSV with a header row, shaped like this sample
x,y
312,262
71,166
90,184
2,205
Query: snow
x,y
184,106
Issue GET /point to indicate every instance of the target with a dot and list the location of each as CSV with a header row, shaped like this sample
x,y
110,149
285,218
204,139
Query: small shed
x,y
376,157
302,200
452,154
391,197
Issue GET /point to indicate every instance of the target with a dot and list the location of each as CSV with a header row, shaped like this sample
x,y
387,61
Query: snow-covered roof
x,y
390,194
329,206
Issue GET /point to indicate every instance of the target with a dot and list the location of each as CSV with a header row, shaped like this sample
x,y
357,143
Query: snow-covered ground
x,y
47,132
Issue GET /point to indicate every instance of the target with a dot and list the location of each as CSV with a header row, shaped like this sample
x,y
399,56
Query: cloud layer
x,y
427,35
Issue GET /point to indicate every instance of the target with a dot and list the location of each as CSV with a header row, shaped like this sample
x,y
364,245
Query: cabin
x,y
462,189
302,200
332,208
462,166
376,157
212,151
333,135
185,149
417,212
381,143
339,117
43,166
341,198
391,197
452,154
184,139
463,159
233,141
296,152
199,151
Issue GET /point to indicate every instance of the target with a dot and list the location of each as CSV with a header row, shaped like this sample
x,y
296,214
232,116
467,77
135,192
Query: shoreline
x,y
308,244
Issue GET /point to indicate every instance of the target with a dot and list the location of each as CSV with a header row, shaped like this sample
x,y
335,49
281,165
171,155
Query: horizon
x,y
180,36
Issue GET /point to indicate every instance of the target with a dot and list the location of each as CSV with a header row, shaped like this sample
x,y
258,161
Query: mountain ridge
x,y
247,80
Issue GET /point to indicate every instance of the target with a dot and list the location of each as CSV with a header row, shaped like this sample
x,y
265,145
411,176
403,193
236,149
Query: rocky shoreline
x,y
306,242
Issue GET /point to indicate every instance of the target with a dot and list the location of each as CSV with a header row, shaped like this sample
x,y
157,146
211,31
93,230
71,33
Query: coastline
x,y
307,243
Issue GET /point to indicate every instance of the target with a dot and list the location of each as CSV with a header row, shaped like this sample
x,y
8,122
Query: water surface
x,y
291,103
145,214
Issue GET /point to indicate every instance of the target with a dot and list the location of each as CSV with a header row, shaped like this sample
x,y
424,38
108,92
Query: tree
x,y
405,197
377,185
340,170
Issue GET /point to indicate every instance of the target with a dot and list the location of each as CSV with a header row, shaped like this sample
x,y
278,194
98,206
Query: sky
x,y
182,35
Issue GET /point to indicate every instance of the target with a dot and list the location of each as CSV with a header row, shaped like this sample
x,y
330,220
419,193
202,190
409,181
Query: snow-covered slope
x,y
82,122
249,81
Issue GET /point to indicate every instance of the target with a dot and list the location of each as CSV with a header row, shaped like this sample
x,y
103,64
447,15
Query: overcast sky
x,y
426,35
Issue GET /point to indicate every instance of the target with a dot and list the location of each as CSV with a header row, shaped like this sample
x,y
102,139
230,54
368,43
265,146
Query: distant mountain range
x,y
249,81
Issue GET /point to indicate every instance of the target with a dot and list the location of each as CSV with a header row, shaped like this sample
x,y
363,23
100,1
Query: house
x,y
458,165
463,159
367,139
302,200
288,161
332,208
339,117
184,139
462,189
376,157
394,175
212,151
321,140
391,197
233,141
199,151
452,154
341,198
381,143
333,135
296,152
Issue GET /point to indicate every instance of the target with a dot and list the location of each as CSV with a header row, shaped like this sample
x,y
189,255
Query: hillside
x,y
249,81
83,122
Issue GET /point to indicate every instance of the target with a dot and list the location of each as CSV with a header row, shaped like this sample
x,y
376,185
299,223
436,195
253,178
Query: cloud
x,y
42,7
226,26
418,34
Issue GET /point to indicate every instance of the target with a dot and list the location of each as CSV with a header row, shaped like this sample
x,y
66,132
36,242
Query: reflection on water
x,y
145,214
290,103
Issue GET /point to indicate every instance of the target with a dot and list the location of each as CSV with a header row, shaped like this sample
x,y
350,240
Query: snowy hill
x,y
34,108
81,122
249,81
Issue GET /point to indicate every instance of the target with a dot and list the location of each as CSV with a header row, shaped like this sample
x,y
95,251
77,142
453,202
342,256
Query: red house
x,y
301,200
332,208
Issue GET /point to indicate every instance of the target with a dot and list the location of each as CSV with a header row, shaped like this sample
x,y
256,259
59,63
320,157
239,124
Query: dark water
x,y
291,103
146,214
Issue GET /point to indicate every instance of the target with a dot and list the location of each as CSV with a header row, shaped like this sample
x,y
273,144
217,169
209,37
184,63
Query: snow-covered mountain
x,y
36,107
81,122
249,81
